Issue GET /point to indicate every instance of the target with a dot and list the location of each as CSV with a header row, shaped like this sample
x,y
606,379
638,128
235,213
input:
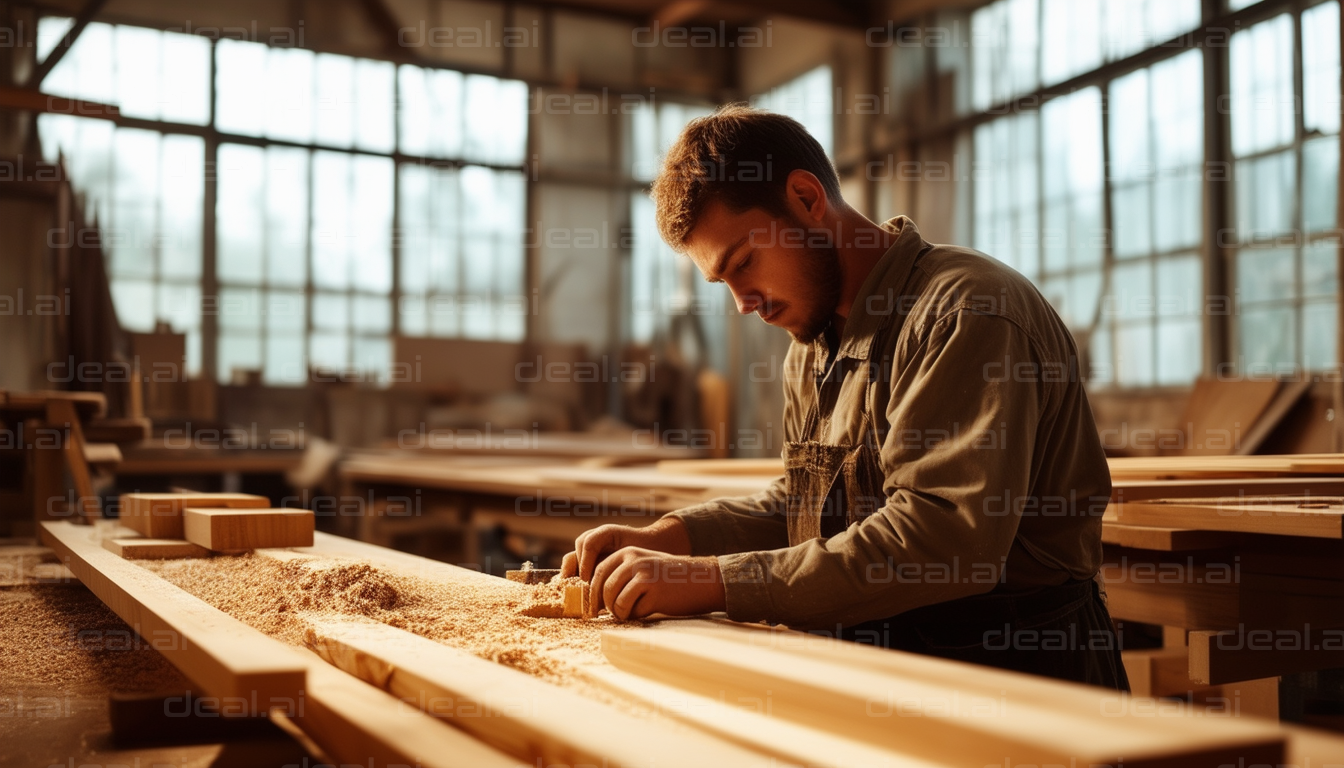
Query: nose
x,y
747,303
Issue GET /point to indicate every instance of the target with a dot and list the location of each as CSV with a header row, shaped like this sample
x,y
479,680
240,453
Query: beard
x,y
821,270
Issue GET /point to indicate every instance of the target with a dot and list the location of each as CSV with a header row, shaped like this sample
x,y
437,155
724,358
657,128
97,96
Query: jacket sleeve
x,y
757,522
960,444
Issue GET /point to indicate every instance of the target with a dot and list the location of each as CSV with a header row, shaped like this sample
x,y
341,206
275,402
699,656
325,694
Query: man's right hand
x,y
591,547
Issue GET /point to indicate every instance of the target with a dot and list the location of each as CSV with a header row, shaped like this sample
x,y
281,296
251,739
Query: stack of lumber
x,y
168,525
1244,551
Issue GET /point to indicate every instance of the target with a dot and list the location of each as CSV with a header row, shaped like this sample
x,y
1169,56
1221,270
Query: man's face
x,y
779,268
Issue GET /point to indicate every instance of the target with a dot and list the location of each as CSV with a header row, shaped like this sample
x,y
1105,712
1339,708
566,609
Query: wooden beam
x,y
1315,516
89,405
217,652
61,415
82,19
226,530
1233,655
1178,467
1295,485
159,515
512,711
860,700
1163,539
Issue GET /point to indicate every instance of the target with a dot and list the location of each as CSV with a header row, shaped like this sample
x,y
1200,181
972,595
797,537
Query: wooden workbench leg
x,y
61,415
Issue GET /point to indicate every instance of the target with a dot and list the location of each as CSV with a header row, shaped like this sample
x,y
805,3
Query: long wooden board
x,y
957,728
1317,517
1177,467
222,655
1293,485
510,710
1163,539
352,721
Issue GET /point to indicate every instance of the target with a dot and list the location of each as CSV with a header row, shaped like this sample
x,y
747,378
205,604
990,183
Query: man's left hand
x,y
634,583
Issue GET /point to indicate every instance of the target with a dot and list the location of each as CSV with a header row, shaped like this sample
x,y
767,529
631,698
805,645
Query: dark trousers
x,y
1063,632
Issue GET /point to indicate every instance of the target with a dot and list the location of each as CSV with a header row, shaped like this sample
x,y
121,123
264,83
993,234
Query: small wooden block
x,y
532,575
235,529
576,601
153,549
159,515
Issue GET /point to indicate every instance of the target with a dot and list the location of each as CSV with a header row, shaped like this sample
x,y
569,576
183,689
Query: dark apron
x,y
1062,631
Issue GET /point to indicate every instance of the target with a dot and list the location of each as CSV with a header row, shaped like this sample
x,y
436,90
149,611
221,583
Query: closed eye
x,y
745,262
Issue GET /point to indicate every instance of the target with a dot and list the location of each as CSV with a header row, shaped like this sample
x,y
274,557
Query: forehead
x,y
718,229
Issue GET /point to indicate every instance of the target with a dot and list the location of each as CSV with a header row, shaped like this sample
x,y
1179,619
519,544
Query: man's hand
x,y
634,583
667,535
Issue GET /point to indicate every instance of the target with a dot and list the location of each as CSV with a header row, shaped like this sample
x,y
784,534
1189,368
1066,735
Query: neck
x,y
860,244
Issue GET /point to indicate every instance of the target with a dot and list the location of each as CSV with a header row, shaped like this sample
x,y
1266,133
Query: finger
x,y
615,582
599,543
601,574
635,598
569,566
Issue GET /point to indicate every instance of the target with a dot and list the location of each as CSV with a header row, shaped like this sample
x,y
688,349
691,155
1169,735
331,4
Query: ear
x,y
805,196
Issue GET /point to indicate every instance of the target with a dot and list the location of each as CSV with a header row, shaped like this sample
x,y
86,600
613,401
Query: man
x,y
944,480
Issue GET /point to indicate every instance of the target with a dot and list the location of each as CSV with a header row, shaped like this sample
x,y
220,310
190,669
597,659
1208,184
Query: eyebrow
x,y
721,263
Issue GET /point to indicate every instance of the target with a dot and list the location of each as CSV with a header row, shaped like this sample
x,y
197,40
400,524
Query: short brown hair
x,y
739,156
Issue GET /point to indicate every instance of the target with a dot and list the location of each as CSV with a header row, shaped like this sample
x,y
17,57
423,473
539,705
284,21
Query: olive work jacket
x,y
995,477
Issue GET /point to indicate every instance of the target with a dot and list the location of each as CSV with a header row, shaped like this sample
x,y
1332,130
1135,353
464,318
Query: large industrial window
x,y
355,199
1096,190
1287,168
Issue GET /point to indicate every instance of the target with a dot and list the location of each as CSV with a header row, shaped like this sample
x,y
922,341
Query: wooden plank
x,y
1163,539
1220,411
102,453
128,430
1233,655
225,530
159,515
1316,516
1191,596
153,549
514,712
1196,467
1293,485
772,467
749,724
1028,721
1287,397
222,655
89,405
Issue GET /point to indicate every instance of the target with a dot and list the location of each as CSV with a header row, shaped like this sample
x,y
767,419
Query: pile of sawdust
x,y
481,616
63,636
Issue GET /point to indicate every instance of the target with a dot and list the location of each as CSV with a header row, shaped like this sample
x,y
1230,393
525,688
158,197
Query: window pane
x,y
240,309
1262,86
1320,335
289,94
806,98
1178,111
374,113
431,112
1320,270
1267,336
1134,355
1133,226
285,313
1005,38
1178,210
1131,153
134,302
285,361
1133,291
330,351
1320,67
1071,139
1265,275
371,314
182,198
135,202
1073,31
240,214
286,216
186,78
237,352
335,100
1133,25
331,222
1178,351
240,73
1320,184
496,120
371,225
137,71
1266,188
331,311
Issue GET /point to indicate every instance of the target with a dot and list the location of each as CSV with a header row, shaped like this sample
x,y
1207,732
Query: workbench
x,y
364,696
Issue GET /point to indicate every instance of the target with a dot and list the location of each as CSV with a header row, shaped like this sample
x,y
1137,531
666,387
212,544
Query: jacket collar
x,y
879,298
